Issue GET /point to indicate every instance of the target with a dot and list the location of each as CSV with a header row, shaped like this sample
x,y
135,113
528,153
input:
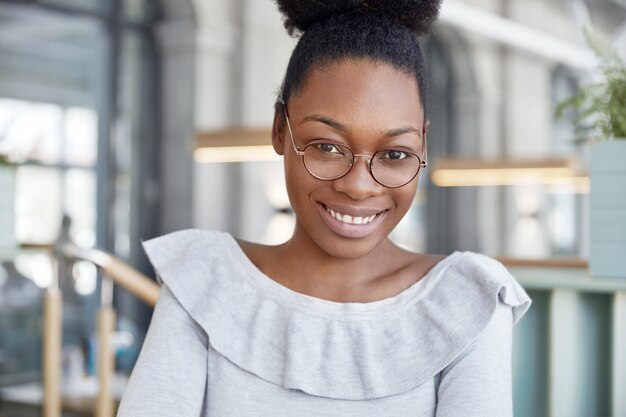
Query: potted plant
x,y
8,244
601,121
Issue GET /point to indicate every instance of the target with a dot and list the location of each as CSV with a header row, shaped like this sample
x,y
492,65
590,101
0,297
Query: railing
x,y
114,271
569,353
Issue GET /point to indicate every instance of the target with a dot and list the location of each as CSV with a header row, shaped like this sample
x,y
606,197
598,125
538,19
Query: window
x,y
75,110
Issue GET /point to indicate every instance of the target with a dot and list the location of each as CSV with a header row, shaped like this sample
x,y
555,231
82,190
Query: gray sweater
x,y
228,341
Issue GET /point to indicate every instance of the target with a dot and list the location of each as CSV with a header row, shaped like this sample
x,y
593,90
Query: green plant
x,y
600,106
5,161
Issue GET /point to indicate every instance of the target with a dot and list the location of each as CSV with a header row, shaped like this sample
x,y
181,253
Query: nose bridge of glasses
x,y
368,164
356,155
362,155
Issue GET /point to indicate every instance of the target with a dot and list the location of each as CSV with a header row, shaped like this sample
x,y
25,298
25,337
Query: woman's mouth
x,y
346,218
359,223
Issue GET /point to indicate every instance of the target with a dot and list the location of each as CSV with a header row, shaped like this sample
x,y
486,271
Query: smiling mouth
x,y
348,219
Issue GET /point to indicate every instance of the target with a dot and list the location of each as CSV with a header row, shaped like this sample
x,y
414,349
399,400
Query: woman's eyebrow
x,y
338,126
327,121
402,131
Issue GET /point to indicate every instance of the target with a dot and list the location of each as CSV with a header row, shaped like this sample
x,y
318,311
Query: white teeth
x,y
346,218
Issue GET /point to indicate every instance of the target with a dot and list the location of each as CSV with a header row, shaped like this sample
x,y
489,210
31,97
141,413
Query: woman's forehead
x,y
360,87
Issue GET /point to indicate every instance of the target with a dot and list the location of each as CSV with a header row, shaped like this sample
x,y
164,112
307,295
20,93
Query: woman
x,y
337,321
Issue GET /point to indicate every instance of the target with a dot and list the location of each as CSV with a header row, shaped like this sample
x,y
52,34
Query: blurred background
x,y
119,119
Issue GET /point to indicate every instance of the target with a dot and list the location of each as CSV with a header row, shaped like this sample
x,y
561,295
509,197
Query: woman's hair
x,y
379,30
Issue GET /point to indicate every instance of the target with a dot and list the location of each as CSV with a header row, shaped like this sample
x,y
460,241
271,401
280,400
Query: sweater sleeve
x,y
169,378
479,382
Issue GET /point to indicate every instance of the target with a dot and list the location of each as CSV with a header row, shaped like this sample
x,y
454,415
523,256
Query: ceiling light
x,y
471,172
234,145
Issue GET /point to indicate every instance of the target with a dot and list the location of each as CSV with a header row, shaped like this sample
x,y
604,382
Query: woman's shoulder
x,y
171,250
470,282
180,240
185,259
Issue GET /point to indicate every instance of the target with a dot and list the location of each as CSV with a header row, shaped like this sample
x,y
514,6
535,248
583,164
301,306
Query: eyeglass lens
x,y
388,167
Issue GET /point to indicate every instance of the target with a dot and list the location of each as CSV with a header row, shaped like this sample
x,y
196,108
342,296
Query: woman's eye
x,y
394,155
328,148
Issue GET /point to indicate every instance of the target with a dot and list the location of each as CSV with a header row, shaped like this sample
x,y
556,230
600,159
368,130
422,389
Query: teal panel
x,y
609,156
608,224
607,259
595,362
608,189
530,359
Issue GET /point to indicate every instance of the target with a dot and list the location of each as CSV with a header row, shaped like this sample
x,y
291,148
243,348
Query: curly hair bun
x,y
417,15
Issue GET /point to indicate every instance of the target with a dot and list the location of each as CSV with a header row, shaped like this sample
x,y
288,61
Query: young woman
x,y
337,321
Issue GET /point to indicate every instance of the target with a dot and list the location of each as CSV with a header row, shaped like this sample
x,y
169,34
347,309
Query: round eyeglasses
x,y
329,161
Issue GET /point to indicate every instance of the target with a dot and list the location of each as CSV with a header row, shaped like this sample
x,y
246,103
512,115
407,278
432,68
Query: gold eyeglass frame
x,y
370,158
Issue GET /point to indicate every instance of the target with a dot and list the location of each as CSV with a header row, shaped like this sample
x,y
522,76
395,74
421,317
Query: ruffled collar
x,y
321,307
354,351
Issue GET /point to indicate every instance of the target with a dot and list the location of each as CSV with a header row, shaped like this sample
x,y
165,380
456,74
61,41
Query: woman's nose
x,y
358,183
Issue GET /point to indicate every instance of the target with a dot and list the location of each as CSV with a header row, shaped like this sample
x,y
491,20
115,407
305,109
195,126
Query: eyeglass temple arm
x,y
424,162
293,141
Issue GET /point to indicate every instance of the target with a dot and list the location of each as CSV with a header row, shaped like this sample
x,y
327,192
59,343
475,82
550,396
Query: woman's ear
x,y
278,128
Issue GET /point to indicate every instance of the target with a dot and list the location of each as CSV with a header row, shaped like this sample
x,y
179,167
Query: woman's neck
x,y
303,266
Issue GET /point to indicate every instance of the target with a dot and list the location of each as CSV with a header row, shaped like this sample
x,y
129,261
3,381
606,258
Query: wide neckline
x,y
349,351
321,305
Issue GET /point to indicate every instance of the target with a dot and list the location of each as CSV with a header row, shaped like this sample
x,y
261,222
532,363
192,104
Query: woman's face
x,y
368,107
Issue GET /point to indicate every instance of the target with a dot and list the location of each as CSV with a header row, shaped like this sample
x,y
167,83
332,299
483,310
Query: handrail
x,y
119,271
115,271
